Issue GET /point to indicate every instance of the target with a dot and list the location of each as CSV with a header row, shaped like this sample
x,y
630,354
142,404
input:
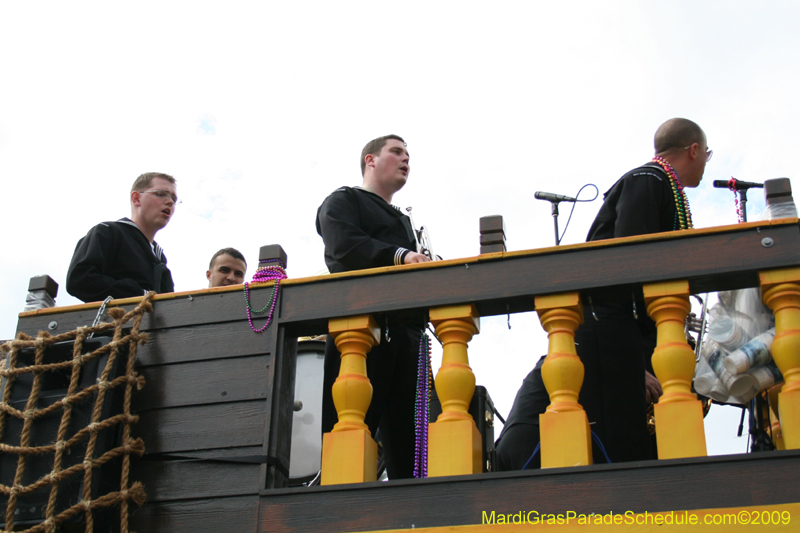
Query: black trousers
x,y
520,434
615,351
392,370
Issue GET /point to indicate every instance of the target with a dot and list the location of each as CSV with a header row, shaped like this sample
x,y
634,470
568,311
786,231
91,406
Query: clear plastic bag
x,y
740,333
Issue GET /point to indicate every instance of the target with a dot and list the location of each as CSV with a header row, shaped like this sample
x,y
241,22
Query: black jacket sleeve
x,y
90,276
357,235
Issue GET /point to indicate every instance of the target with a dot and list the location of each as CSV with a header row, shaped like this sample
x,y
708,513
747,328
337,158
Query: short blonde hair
x,y
143,181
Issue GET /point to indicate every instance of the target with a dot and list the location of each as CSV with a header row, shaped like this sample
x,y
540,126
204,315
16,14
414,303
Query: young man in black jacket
x,y
362,229
121,259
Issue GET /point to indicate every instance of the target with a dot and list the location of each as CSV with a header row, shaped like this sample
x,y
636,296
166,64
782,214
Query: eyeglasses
x,y
161,193
709,153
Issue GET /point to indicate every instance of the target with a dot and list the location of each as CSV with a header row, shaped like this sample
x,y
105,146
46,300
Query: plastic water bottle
x,y
738,384
726,333
767,375
754,353
704,377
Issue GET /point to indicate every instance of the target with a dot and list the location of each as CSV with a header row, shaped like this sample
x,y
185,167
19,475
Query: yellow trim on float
x,y
607,243
780,518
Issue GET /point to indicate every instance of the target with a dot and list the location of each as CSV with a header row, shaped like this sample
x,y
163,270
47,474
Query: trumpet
x,y
422,239
697,325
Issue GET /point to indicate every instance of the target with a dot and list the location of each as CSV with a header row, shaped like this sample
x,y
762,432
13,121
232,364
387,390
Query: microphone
x,y
738,185
550,197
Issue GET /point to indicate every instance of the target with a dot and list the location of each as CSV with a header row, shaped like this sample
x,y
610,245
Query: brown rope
x,y
89,434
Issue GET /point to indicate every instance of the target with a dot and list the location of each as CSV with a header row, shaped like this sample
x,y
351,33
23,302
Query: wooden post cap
x,y
777,191
272,251
493,224
44,283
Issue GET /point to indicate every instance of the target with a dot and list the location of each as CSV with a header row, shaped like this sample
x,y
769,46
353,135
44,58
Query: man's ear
x,y
369,159
136,198
693,150
208,275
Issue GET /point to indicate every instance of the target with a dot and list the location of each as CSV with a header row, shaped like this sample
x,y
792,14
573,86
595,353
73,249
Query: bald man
x,y
616,349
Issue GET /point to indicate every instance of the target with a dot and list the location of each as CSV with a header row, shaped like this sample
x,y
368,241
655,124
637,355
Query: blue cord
x,y
595,438
535,451
600,445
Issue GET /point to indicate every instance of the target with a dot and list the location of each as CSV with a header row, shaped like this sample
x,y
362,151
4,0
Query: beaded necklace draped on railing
x,y
422,409
265,272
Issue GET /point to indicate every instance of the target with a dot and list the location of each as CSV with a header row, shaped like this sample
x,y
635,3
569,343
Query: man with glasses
x,y
121,259
617,339
644,200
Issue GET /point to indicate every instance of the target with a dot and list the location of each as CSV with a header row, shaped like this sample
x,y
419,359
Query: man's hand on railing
x,y
414,257
652,387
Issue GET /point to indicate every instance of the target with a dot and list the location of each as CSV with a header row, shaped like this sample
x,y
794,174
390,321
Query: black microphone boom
x,y
550,197
737,184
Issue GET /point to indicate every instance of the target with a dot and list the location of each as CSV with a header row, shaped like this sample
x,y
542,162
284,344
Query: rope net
x,y
92,414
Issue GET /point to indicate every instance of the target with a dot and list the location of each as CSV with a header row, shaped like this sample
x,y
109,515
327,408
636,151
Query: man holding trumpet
x,y
362,229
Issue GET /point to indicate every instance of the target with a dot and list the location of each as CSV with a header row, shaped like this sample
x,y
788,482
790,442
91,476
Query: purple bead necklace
x,y
422,408
265,272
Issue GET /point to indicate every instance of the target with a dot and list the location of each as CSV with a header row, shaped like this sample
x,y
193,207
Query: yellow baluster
x,y
780,290
566,439
454,443
678,413
349,454
775,424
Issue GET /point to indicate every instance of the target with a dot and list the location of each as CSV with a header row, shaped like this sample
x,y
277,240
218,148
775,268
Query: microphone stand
x,y
740,187
554,200
554,210
743,201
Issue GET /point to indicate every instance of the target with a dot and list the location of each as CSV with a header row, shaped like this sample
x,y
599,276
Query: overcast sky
x,y
260,110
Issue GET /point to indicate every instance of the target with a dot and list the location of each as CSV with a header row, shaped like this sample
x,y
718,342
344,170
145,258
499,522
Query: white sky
x,y
260,110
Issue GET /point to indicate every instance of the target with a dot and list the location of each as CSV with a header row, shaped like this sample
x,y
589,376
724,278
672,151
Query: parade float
x,y
174,415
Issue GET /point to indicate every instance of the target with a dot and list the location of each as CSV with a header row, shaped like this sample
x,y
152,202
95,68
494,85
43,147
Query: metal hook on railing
x,y
591,306
100,313
433,332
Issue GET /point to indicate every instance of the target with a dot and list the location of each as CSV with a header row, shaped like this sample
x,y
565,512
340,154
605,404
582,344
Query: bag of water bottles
x,y
735,360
